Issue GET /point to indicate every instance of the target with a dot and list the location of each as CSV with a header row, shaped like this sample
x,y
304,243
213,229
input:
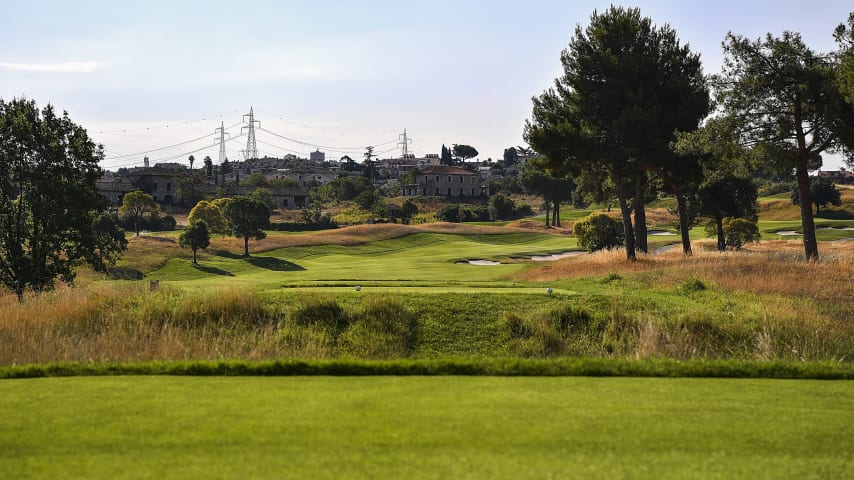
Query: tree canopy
x,y
50,207
247,218
628,87
135,206
787,103
211,213
844,35
728,196
195,236
824,193
465,151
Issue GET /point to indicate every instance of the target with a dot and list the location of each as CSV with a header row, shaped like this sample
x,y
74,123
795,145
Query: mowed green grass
x,y
425,258
424,427
422,257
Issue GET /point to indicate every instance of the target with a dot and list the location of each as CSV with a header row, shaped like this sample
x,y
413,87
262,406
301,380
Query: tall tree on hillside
x,y
446,158
247,218
195,236
728,196
211,214
369,164
465,152
844,35
511,156
824,193
698,158
627,88
189,188
50,206
135,206
788,102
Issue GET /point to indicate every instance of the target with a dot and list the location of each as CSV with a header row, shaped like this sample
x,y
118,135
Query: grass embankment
x,y
766,306
425,427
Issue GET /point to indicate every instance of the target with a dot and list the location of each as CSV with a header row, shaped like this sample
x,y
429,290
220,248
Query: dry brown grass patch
x,y
772,267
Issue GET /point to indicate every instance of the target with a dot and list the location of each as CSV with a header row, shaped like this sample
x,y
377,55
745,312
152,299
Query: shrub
x,y
737,232
693,285
598,231
501,207
448,213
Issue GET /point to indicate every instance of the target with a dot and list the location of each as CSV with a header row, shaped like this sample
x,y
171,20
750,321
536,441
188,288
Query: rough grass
x,y
613,319
772,267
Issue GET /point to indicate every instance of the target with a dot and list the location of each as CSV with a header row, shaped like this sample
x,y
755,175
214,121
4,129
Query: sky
x,y
157,78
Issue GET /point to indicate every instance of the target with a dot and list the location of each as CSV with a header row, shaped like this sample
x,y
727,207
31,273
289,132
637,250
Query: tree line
x,y
634,109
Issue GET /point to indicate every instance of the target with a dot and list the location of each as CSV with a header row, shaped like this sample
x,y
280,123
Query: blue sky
x,y
141,76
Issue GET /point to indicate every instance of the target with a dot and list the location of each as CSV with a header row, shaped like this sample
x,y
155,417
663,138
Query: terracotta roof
x,y
446,170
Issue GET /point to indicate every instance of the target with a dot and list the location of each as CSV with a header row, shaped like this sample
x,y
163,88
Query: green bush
x,y
693,285
598,231
448,213
737,232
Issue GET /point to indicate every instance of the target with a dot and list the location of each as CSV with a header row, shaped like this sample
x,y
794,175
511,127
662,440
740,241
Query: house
x,y
840,177
317,156
162,184
308,178
114,189
446,181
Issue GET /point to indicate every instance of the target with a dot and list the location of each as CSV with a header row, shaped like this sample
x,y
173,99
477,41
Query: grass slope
x,y
424,427
428,257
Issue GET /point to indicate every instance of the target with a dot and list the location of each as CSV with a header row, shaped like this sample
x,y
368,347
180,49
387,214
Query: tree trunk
x,y
803,178
626,212
194,257
683,222
640,215
246,246
807,221
556,214
719,222
548,205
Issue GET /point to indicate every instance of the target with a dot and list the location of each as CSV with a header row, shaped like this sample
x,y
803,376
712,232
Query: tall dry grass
x,y
772,267
111,322
103,322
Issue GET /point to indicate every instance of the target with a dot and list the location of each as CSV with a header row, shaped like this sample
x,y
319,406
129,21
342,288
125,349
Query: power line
x,y
325,147
144,152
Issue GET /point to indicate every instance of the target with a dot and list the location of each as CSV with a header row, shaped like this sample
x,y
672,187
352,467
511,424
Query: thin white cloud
x,y
66,67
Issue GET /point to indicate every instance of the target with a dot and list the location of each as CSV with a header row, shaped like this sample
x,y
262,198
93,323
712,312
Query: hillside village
x,y
290,179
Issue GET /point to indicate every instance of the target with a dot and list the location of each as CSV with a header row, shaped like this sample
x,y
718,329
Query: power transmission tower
x,y
404,144
221,141
251,149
